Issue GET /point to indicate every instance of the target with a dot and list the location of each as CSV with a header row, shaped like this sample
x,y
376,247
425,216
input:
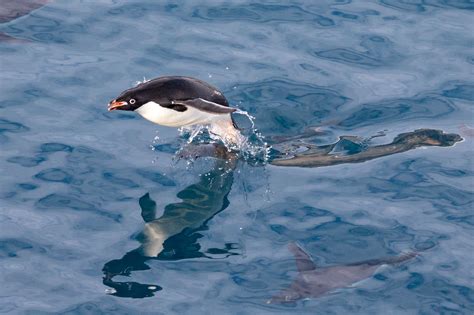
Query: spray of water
x,y
247,143
254,146
145,80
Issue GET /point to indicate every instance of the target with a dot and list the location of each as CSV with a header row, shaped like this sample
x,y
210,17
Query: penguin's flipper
x,y
175,106
205,106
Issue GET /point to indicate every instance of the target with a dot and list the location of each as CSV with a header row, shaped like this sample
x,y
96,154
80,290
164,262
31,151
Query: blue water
x,y
75,178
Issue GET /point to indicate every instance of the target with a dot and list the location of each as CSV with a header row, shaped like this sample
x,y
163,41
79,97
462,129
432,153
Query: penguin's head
x,y
129,100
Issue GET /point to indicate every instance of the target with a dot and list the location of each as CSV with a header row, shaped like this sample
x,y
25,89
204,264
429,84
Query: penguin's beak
x,y
116,105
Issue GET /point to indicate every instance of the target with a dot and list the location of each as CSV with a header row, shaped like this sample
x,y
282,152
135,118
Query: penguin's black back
x,y
171,88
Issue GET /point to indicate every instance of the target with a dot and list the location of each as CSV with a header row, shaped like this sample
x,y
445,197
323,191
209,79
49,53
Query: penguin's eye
x,y
132,101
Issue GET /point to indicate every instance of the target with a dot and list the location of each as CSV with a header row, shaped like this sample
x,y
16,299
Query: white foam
x,y
251,146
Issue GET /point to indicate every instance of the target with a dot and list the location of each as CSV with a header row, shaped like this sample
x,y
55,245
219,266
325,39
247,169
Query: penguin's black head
x,y
128,100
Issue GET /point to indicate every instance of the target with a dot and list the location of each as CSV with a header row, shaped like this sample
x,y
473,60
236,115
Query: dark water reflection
x,y
174,235
83,194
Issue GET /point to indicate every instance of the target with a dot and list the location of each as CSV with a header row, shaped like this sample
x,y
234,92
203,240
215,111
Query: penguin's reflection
x,y
174,235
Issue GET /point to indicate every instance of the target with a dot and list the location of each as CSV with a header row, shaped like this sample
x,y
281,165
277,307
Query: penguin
x,y
178,101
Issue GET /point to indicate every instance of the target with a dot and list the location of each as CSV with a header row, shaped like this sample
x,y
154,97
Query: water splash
x,y
153,145
155,141
137,83
249,144
245,143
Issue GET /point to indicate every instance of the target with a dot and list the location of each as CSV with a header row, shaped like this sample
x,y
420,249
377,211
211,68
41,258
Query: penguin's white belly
x,y
172,118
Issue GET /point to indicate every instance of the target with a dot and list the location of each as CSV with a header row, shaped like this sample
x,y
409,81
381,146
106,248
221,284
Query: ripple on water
x,y
262,13
379,52
74,174
421,6
54,175
55,147
391,111
460,91
156,177
345,15
27,186
13,247
120,181
67,201
26,161
269,101
11,126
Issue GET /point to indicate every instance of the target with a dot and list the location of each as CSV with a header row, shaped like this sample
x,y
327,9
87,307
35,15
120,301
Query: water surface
x,y
80,186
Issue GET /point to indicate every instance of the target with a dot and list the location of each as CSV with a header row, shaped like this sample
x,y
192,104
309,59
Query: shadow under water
x,y
318,156
174,235
313,281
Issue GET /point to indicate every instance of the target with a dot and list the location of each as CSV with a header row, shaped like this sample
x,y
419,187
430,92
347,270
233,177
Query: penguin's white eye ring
x,y
132,101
